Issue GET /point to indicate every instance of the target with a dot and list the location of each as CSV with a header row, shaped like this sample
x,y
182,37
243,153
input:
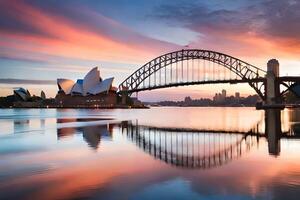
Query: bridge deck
x,y
290,78
202,82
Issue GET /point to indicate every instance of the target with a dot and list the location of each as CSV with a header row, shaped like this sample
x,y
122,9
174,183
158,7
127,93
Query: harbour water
x,y
157,153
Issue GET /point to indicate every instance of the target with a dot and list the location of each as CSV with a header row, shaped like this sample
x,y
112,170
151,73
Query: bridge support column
x,y
124,96
272,87
273,130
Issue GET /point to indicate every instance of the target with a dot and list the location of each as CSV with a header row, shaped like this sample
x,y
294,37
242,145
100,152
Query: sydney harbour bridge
x,y
203,149
197,67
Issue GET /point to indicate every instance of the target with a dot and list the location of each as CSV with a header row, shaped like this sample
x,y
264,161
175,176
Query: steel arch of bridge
x,y
245,72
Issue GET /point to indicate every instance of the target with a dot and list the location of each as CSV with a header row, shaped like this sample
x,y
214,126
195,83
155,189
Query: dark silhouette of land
x,y
251,100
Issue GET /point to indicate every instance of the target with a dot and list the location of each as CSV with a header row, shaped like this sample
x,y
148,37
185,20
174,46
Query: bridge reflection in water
x,y
190,149
202,149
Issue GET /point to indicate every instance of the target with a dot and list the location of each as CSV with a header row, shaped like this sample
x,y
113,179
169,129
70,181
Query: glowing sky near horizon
x,y
46,40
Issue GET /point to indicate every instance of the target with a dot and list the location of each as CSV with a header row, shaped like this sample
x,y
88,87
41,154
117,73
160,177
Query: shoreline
x,y
289,106
79,107
127,107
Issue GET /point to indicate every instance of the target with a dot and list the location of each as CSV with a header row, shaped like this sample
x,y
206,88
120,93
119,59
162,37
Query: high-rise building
x,y
223,94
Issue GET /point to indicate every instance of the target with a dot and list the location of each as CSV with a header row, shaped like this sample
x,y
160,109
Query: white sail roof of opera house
x,y
91,79
101,87
65,85
77,89
91,84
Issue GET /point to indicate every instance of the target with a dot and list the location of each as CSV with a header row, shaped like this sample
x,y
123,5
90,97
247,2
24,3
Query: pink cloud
x,y
72,40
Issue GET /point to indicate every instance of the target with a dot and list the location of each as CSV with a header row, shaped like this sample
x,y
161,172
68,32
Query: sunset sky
x,y
41,41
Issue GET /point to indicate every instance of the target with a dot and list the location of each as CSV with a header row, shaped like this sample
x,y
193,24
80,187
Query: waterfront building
x,y
22,94
91,91
23,99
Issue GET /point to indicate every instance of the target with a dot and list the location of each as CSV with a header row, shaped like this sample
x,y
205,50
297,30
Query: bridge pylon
x,y
124,96
272,87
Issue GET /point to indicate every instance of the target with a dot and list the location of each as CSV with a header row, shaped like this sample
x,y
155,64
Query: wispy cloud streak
x,y
26,81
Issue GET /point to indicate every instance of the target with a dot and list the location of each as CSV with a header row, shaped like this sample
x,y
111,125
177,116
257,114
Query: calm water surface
x,y
157,153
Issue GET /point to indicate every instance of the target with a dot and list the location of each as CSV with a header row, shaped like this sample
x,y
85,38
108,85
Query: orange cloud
x,y
71,40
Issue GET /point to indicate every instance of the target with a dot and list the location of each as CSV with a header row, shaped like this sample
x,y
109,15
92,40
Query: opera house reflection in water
x,y
91,134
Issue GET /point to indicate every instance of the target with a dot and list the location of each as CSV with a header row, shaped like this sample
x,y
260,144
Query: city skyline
x,y
70,38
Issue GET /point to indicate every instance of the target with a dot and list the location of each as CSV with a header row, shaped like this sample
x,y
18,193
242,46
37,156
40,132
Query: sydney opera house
x,y
91,91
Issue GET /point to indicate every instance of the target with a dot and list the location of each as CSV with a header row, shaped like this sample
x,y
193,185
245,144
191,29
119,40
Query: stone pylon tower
x,y
272,87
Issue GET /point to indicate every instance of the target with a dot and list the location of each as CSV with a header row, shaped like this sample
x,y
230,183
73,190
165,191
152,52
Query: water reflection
x,y
200,148
189,148
195,148
21,124
275,123
91,134
90,158
273,130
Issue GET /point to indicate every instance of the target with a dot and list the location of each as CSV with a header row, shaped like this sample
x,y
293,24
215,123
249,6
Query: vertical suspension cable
x,y
204,70
198,60
149,75
171,80
187,70
193,69
227,74
155,73
171,68
182,69
224,73
160,72
209,70
144,74
214,70
165,72
236,76
220,71
176,70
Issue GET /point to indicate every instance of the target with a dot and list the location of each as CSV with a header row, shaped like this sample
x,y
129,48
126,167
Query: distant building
x,y
237,95
22,94
216,97
223,94
91,91
136,102
23,99
188,99
220,96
